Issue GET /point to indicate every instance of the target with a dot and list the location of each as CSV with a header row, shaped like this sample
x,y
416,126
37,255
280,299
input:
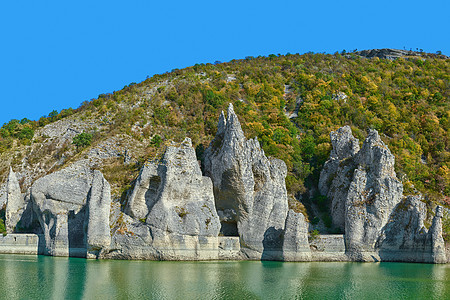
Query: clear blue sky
x,y
57,54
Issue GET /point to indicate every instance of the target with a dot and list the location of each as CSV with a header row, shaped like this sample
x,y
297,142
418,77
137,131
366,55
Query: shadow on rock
x,y
272,244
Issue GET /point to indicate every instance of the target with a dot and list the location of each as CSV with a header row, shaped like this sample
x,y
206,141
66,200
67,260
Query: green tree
x,y
26,133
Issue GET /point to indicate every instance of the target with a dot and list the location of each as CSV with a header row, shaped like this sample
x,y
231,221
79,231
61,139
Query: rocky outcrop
x,y
295,239
438,252
294,114
15,203
249,189
172,210
405,238
405,234
363,189
386,53
60,203
379,223
392,54
340,96
335,176
171,195
373,194
98,235
176,213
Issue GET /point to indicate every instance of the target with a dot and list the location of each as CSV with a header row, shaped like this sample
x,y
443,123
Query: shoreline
x,y
329,248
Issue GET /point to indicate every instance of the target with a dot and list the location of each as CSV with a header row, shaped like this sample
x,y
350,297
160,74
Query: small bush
x,y
181,211
2,226
156,141
82,140
161,114
313,235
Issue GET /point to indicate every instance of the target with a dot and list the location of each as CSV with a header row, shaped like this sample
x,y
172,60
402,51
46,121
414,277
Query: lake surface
x,y
43,277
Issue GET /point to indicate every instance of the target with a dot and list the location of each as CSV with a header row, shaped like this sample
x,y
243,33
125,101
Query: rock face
x,y
60,203
98,210
15,203
373,194
438,253
176,213
379,223
364,189
173,196
294,114
249,189
334,177
405,237
295,241
172,210
386,53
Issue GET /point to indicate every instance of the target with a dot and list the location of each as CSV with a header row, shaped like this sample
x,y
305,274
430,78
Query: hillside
x,y
291,103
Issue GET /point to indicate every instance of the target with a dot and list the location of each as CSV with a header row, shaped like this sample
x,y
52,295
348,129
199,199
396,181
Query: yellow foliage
x,y
393,112
252,88
425,93
372,86
251,113
373,101
365,80
273,117
444,171
324,147
275,101
256,126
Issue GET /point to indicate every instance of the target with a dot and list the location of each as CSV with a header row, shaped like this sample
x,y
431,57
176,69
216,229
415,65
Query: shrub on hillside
x,y
82,140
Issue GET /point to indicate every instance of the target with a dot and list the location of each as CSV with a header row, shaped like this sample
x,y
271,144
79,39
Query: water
x,y
41,277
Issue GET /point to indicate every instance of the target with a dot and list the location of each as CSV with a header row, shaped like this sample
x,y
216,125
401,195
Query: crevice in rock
x,y
229,229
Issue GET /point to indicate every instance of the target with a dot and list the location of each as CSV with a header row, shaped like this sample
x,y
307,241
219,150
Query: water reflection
x,y
60,274
31,277
441,278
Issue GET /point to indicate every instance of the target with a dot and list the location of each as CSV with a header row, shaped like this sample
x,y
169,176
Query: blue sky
x,y
57,54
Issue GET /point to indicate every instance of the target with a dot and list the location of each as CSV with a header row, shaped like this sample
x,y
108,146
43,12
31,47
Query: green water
x,y
41,277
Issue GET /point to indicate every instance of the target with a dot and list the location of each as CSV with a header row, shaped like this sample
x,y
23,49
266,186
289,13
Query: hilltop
x,y
291,103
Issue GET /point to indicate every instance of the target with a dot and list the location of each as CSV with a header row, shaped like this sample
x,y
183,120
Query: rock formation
x,y
295,240
373,194
174,204
367,195
15,203
364,189
336,174
99,203
386,53
405,233
249,189
438,253
173,196
405,238
176,213
60,202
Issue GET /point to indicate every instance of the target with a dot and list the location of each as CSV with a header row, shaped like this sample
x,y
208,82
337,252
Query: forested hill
x,y
290,102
